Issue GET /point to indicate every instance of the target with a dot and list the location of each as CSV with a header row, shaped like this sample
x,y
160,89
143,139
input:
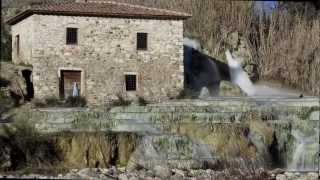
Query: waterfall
x,y
158,148
305,153
204,71
238,75
135,125
241,78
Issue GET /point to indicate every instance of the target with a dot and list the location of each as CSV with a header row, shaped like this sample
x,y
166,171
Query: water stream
x,y
202,71
241,78
167,150
305,154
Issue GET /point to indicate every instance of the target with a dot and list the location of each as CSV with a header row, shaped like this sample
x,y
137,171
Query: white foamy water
x,y
135,125
240,78
192,43
238,75
305,152
159,149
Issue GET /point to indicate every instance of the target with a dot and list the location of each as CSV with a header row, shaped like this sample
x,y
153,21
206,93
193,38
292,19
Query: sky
x,y
266,6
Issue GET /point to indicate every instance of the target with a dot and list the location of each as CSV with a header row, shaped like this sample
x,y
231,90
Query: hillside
x,y
281,47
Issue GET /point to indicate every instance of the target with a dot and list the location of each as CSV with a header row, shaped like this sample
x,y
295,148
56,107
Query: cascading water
x,y
160,149
134,125
202,71
239,76
305,154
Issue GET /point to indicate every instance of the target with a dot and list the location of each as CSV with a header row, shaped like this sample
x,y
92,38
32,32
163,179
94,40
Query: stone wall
x,y
223,111
220,124
106,50
25,30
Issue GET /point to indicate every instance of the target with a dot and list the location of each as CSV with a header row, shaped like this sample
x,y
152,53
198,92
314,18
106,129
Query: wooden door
x,y
68,78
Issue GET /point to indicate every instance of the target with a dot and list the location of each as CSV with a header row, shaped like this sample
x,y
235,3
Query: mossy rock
x,y
229,89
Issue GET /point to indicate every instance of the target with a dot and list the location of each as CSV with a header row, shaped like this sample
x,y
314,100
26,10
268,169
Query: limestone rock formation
x,y
229,89
241,49
165,151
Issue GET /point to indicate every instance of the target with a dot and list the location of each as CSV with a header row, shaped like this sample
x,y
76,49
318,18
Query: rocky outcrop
x,y
13,81
241,49
201,70
171,151
96,149
229,89
71,150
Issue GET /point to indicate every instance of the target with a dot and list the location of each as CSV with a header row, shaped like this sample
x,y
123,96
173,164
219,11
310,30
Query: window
x,y
131,82
18,44
72,36
142,41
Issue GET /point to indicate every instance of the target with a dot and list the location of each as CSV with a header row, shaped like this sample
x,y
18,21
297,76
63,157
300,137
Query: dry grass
x,y
289,51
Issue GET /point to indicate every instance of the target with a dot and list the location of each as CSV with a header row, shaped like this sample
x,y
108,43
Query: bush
x,y
186,94
55,102
120,102
38,103
76,101
142,101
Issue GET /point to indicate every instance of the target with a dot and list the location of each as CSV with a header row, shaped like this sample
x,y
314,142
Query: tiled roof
x,y
100,9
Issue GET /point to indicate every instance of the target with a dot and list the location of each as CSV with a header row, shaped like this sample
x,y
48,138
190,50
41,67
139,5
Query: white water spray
x,y
238,75
240,78
135,125
305,153
194,44
157,148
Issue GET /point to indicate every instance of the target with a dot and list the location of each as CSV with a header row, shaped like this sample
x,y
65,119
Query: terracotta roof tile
x,y
101,9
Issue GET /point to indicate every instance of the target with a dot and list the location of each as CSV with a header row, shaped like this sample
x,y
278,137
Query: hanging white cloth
x,y
75,91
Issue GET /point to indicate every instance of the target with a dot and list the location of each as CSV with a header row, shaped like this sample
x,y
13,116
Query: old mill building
x,y
107,49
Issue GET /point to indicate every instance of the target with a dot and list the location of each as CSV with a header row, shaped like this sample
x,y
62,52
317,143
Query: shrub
x,y
186,94
77,101
142,101
38,103
55,102
120,102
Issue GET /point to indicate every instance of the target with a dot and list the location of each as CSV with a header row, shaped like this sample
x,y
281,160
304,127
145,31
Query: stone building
x,y
105,49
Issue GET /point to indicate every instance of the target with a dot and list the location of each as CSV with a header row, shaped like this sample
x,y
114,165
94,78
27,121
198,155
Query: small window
x,y
72,36
17,44
131,82
142,41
